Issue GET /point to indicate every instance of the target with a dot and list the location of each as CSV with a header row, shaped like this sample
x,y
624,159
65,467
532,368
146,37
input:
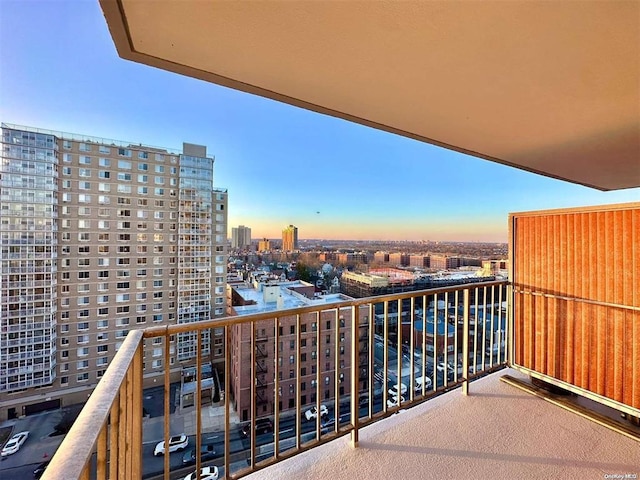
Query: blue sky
x,y
59,70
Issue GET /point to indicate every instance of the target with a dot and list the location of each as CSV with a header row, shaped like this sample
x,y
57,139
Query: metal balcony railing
x,y
405,362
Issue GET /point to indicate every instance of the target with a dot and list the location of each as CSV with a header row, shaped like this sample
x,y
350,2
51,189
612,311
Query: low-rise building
x,y
323,352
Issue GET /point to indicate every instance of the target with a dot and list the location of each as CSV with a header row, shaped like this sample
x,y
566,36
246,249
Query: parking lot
x,y
38,447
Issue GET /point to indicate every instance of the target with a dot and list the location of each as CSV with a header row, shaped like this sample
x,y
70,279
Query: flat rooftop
x,y
289,299
498,431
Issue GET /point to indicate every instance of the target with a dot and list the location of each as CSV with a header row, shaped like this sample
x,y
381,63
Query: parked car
x,y
393,391
441,367
177,443
327,425
418,384
312,413
393,401
206,453
14,444
263,425
206,473
39,470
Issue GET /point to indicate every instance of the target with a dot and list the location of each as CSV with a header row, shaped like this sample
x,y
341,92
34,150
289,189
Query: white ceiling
x,y
549,87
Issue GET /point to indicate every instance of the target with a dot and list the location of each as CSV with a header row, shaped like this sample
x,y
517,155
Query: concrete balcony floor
x,y
498,431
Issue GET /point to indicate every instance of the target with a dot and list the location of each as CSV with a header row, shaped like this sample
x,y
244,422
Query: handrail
x,y
159,331
74,453
598,303
111,422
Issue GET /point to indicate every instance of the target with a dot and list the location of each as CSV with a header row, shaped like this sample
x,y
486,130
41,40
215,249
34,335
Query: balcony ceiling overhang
x,y
548,87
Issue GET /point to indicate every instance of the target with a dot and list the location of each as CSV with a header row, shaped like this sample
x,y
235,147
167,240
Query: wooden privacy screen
x,y
576,282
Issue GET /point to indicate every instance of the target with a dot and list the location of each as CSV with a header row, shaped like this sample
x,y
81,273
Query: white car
x,y
418,384
312,413
206,473
14,443
393,401
393,391
177,443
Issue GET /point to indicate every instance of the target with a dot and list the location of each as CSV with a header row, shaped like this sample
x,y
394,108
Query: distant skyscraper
x,y
240,237
264,245
290,239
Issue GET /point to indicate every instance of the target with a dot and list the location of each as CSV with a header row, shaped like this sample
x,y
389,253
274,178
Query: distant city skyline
x,y
281,165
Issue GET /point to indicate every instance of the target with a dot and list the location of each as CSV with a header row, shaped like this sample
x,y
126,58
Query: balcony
x,y
496,431
436,431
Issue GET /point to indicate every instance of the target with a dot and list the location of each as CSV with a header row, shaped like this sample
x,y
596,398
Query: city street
x,y
38,448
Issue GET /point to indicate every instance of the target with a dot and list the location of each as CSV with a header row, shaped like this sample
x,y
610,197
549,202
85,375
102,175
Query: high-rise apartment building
x,y
264,245
100,237
290,239
240,237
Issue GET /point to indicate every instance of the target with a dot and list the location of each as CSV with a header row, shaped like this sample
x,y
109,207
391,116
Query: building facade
x,y
240,237
100,237
264,245
323,354
290,239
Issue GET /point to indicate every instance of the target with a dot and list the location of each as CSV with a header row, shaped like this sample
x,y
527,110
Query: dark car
x,y
206,453
263,425
37,473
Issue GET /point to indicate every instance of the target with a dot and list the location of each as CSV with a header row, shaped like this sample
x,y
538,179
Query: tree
x,y
303,272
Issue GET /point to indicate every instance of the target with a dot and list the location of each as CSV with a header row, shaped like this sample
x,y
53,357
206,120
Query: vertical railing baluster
x,y
465,343
484,325
435,341
318,370
102,454
227,389
122,432
167,408
500,320
299,384
336,375
355,368
385,349
276,389
446,339
509,336
456,307
101,458
424,346
114,420
371,340
399,351
412,373
475,332
136,440
128,433
198,398
493,301
252,395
